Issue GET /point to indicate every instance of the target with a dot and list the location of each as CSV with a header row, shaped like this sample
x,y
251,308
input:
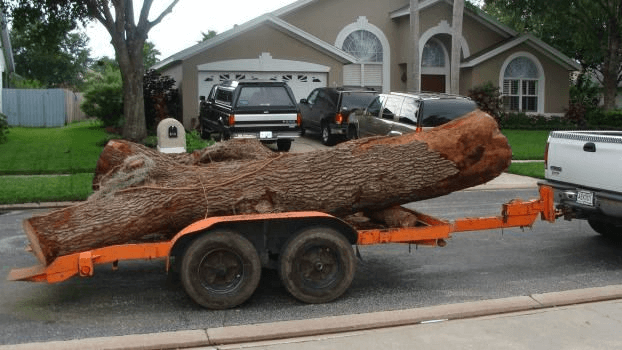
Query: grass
x,y
72,149
28,189
534,169
527,144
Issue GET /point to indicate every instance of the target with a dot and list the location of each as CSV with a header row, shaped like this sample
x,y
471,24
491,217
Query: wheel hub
x,y
221,271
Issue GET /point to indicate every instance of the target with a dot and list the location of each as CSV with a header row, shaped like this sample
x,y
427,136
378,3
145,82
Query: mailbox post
x,y
171,136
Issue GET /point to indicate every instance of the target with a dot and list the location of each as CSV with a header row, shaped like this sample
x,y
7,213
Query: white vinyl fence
x,y
41,107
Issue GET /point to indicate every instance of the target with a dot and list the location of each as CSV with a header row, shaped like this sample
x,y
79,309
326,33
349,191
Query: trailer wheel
x,y
220,269
317,265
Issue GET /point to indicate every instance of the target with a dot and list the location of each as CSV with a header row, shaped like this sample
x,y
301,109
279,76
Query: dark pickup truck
x,y
265,110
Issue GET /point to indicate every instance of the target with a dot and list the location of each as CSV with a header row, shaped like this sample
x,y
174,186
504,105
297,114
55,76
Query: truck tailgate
x,y
587,158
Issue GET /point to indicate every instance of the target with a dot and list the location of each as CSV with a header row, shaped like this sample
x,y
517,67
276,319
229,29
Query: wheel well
x,y
271,234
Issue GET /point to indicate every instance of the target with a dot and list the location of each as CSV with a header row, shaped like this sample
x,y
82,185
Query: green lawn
x,y
71,149
27,189
535,169
527,144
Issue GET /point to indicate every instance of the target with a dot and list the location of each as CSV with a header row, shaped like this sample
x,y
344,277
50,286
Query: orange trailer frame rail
x,y
428,231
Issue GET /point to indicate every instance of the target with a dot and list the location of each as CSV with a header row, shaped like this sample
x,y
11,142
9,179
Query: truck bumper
x,y
269,136
582,203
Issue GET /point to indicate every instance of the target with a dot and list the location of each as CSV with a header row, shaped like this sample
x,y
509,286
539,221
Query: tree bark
x,y
145,195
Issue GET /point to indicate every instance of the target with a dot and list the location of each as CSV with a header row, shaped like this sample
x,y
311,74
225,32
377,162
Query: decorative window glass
x,y
433,55
363,45
520,85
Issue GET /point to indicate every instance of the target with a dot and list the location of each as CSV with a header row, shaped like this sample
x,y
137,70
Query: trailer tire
x,y
220,269
317,265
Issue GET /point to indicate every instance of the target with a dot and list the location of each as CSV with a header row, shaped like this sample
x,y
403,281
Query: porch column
x,y
414,66
456,46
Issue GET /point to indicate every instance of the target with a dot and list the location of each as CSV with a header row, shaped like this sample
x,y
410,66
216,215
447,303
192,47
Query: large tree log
x,y
146,195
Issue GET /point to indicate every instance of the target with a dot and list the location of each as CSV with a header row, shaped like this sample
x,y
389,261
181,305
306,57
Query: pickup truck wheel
x,y
328,139
220,270
317,265
205,134
605,228
283,145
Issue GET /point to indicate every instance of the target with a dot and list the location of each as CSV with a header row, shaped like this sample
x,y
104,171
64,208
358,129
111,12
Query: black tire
x,y
220,270
605,228
205,134
352,134
303,131
317,265
284,145
328,139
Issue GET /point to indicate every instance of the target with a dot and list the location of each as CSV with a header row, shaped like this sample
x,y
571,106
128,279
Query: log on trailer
x,y
147,196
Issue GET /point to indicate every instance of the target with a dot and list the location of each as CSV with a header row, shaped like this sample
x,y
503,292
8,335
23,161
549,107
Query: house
x,y
7,65
312,43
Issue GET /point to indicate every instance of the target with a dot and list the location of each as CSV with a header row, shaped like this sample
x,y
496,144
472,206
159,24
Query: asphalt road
x,y
140,298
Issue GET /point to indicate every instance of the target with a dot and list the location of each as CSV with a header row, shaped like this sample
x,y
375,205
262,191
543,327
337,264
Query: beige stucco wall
x,y
176,72
556,80
250,45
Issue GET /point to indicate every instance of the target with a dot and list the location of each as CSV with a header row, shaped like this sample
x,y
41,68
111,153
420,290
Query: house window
x,y
521,85
363,45
433,54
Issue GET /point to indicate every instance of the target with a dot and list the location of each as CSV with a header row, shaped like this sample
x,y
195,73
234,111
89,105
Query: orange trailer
x,y
219,259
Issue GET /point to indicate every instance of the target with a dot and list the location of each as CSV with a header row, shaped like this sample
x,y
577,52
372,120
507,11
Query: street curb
x,y
332,324
31,206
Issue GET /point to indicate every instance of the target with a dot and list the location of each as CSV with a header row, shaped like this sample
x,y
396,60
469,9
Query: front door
x,y
433,83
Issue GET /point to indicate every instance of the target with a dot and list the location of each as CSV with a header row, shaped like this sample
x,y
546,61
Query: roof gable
x,y
477,15
269,19
528,39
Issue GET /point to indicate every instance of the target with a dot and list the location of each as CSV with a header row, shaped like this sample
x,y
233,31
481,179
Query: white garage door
x,y
301,83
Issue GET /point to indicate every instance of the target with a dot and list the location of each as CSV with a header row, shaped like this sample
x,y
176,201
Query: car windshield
x,y
351,100
441,111
262,96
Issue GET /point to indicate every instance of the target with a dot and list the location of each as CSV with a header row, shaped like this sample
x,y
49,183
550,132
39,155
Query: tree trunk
x,y
133,71
612,65
153,196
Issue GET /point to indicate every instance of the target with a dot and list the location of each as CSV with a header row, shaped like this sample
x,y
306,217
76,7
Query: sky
x,y
182,28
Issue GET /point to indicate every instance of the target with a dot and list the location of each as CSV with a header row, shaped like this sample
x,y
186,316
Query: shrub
x,y
534,122
599,119
583,100
488,99
161,99
4,128
103,96
195,142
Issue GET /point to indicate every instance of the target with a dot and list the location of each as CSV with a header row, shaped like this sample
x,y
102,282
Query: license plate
x,y
265,134
586,198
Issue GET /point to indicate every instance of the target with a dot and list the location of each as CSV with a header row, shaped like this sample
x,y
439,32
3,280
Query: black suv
x,y
265,110
399,113
327,110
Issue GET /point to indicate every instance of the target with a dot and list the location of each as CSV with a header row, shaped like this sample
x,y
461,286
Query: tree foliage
x,y
150,54
52,53
103,95
161,98
589,31
206,36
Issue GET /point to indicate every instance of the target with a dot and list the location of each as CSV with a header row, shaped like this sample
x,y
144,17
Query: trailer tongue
x,y
220,258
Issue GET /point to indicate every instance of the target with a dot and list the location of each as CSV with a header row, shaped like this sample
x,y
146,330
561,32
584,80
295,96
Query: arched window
x,y
363,45
433,54
522,85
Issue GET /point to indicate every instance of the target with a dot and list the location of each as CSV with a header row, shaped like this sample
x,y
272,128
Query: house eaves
x,y
530,40
477,15
269,19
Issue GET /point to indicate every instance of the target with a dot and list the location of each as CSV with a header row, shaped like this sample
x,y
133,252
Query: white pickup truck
x,y
585,170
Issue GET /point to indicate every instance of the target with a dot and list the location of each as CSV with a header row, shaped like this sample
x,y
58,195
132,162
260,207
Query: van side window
x,y
391,107
409,112
375,106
